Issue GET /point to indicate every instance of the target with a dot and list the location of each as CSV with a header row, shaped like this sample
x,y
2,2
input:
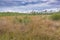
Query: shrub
x,y
55,17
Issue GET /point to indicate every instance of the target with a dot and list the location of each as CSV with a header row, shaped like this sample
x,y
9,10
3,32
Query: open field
x,y
28,27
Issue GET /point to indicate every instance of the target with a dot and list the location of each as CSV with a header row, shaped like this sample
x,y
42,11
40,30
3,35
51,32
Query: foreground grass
x,y
29,27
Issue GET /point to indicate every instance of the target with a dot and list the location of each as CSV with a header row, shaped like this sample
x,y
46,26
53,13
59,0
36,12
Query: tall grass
x,y
27,27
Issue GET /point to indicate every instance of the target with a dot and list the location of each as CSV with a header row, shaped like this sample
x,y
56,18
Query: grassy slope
x,y
37,27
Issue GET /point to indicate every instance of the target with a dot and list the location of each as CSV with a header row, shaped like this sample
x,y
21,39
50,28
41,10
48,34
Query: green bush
x,y
55,17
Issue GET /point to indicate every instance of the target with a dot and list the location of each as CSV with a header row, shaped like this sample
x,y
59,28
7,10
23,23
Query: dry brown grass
x,y
40,28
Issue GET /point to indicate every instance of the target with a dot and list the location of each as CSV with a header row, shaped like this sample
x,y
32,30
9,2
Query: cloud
x,y
28,5
20,3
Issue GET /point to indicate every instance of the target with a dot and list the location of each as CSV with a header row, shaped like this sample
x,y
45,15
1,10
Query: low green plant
x,y
24,20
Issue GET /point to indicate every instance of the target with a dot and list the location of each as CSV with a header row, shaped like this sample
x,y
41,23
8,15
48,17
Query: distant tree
x,y
50,10
59,10
45,11
32,12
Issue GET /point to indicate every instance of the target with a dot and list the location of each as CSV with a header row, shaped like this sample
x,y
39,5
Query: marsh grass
x,y
18,36
28,27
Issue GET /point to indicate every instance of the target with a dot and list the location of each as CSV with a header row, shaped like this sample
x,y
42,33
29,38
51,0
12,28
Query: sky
x,y
28,5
